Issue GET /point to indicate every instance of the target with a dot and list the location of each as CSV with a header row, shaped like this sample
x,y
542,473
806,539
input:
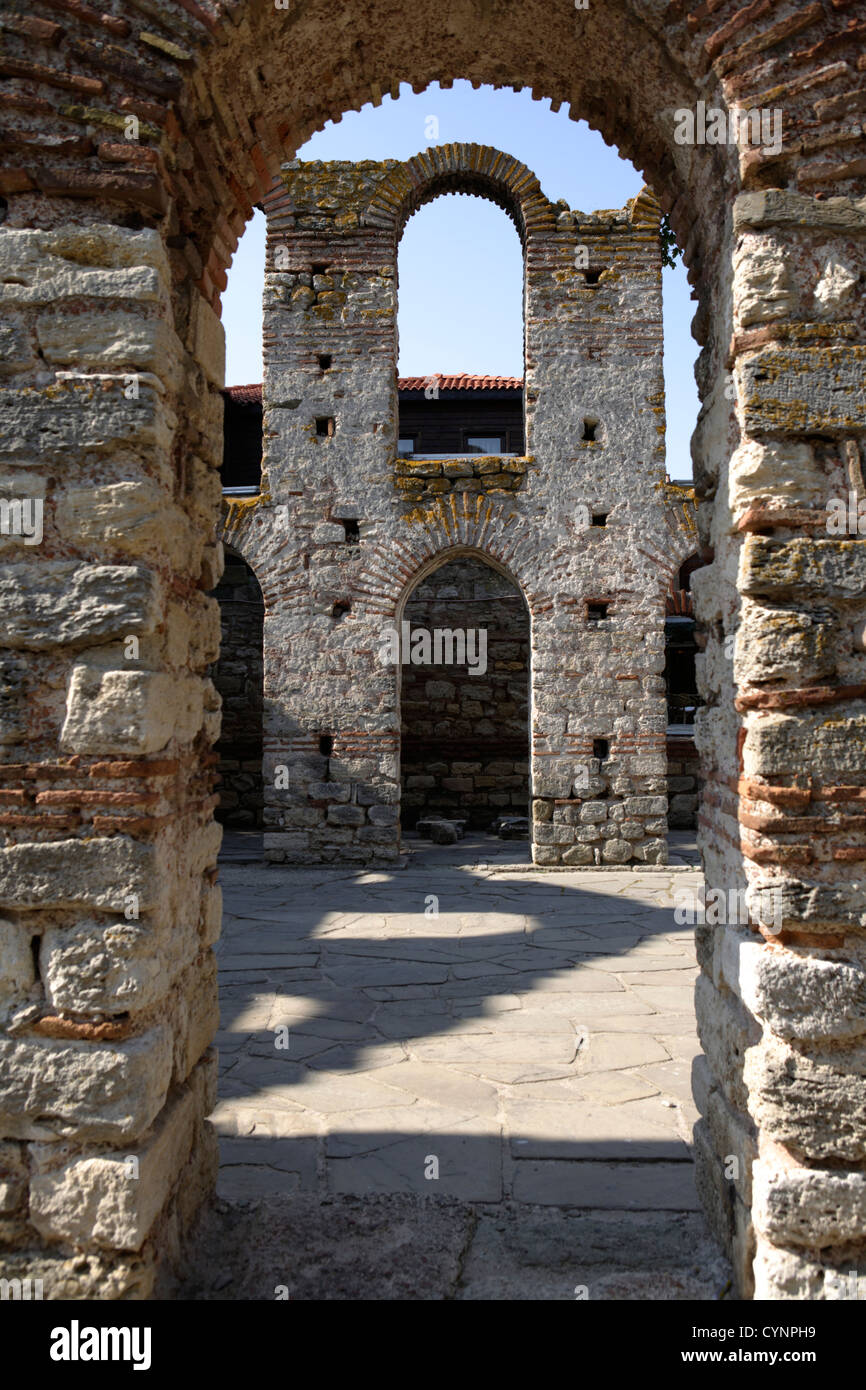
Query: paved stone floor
x,y
505,1050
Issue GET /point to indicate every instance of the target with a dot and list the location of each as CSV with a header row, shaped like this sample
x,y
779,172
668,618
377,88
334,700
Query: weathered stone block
x,y
16,963
98,873
65,603
804,390
134,517
346,815
812,1207
821,568
812,1101
113,967
797,994
130,711
112,1198
83,1090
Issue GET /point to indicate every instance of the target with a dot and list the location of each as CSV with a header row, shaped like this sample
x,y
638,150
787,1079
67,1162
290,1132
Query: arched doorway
x,y
465,723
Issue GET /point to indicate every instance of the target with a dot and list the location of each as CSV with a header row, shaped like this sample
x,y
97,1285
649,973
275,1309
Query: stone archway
x,y
141,154
465,723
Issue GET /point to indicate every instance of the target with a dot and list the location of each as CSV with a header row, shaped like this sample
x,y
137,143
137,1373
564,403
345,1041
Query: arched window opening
x,y
460,324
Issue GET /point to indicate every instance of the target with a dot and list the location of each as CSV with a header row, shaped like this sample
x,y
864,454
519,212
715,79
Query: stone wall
x,y
581,524
465,737
238,677
683,783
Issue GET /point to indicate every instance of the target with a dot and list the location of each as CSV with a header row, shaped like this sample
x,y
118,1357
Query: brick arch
x,y
478,170
255,531
452,526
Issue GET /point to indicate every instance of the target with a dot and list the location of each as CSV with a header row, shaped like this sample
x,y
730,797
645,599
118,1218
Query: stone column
x,y
781,996
109,906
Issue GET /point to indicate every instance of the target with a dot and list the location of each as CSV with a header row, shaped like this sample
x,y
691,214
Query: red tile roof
x,y
245,395
462,381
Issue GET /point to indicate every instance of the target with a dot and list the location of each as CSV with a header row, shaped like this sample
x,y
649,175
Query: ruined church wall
x,y
332,731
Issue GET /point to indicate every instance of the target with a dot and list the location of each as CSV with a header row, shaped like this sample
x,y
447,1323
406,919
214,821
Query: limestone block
x,y
631,829
727,1035
108,340
130,711
62,602
346,815
112,967
809,1206
16,963
112,1198
645,805
203,494
98,873
835,286
592,812
578,854
763,285
206,341
801,902
328,532
82,1276
828,568
803,390
211,913
775,469
812,1100
800,995
195,1014
735,1143
205,630
83,1090
790,1274
781,644
827,745
16,349
13,1178
85,414
616,852
134,517
102,262
651,852
728,1216
782,207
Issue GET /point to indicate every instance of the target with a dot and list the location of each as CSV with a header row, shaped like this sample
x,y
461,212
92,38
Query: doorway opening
x,y
465,700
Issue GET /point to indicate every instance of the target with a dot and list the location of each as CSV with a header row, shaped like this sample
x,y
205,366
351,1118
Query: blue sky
x,y
460,263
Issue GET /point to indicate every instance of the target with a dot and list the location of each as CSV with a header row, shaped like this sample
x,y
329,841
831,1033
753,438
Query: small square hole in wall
x,y
596,612
326,745
352,528
601,748
325,360
593,274
599,518
324,426
340,609
319,267
590,429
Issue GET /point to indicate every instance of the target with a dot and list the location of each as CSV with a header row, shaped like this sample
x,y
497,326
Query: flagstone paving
x,y
462,1030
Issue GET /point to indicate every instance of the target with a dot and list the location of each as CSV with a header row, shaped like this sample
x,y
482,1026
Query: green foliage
x,y
670,250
